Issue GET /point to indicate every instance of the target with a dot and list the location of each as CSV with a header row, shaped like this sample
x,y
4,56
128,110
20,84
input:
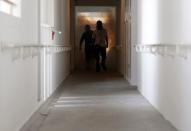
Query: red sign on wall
x,y
53,35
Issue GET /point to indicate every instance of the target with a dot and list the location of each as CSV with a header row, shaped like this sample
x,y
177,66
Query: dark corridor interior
x,y
88,12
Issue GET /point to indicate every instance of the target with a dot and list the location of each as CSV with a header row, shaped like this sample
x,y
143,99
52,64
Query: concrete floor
x,y
102,102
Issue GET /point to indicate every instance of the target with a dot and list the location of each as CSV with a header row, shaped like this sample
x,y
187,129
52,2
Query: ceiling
x,y
96,2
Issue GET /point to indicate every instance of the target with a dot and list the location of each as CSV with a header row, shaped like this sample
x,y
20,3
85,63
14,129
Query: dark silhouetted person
x,y
101,43
89,45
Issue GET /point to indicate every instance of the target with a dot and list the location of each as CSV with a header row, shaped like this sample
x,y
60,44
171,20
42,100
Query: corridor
x,y
52,77
100,102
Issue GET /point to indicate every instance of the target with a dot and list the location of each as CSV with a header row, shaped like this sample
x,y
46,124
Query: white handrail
x,y
10,45
172,50
26,50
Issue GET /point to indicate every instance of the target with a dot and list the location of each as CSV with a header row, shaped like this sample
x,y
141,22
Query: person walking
x,y
89,44
101,43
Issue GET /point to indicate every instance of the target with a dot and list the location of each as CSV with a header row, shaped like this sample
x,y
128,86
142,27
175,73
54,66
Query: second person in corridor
x,y
89,45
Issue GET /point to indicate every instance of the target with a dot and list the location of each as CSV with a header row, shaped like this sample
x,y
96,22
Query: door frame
x,y
126,39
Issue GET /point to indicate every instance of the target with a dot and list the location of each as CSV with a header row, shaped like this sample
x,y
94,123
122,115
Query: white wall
x,y
19,80
55,67
18,95
165,81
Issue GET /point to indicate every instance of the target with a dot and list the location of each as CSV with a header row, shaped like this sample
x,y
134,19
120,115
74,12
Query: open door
x,y
128,38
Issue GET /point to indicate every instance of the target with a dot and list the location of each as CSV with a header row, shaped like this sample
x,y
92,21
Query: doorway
x,y
90,15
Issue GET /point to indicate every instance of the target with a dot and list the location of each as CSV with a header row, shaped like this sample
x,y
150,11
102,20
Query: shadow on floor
x,y
101,102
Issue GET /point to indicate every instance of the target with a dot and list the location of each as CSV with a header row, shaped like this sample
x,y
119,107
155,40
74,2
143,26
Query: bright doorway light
x,y
94,16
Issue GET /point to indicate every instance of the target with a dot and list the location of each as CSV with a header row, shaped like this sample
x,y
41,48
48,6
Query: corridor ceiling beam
x,y
96,2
